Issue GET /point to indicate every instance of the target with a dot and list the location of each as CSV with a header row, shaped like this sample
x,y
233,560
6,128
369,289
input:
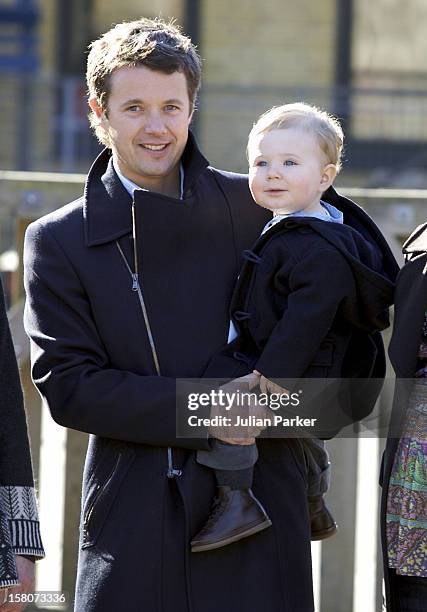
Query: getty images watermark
x,y
320,407
240,404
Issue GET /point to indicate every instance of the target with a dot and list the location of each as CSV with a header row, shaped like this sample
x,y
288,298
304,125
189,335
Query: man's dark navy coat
x,y
93,365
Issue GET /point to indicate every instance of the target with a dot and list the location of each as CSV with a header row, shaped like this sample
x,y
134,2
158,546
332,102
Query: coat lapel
x,y
107,210
186,264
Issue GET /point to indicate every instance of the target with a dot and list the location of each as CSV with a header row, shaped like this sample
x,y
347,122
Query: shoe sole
x,y
324,535
235,538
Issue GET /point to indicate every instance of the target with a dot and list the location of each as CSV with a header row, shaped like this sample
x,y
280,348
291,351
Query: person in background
x,y
404,468
20,541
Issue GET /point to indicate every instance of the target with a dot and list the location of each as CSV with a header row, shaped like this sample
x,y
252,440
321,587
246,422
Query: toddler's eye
x,y
289,162
261,163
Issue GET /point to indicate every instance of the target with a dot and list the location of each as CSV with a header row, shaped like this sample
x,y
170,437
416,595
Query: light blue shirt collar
x,y
330,214
334,213
130,186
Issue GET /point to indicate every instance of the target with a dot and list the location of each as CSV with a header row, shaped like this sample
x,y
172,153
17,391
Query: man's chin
x,y
154,172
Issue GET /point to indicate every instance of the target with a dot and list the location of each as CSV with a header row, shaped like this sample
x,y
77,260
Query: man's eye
x,y
134,108
289,162
261,163
171,107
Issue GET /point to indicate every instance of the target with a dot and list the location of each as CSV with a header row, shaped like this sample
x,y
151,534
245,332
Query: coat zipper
x,y
171,472
100,489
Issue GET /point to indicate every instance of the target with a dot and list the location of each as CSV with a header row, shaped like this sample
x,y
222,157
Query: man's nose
x,y
154,124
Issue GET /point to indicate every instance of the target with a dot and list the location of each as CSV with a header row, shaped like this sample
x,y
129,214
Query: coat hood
x,y
356,218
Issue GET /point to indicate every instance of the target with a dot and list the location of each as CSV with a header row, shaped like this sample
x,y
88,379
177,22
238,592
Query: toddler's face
x,y
288,171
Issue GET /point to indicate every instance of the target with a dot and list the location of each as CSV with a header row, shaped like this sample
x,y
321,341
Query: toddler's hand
x,y
248,382
268,386
240,407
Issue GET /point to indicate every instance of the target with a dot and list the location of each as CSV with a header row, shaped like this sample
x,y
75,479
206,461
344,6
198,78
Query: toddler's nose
x,y
274,172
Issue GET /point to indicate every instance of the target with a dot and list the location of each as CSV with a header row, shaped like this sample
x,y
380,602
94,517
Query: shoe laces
x,y
216,511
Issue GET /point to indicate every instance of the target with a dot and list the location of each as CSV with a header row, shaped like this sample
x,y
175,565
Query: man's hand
x,y
26,572
235,433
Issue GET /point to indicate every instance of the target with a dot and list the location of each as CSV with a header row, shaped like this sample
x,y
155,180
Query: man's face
x,y
288,172
147,119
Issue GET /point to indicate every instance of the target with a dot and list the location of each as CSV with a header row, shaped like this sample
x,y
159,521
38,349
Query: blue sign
x,y
18,38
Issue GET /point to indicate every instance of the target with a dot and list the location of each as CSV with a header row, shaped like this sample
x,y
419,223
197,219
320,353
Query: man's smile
x,y
154,147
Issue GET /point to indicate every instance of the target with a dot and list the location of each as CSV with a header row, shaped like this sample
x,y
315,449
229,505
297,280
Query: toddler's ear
x,y
328,176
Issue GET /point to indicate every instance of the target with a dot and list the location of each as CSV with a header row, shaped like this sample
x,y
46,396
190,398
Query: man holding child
x,y
129,289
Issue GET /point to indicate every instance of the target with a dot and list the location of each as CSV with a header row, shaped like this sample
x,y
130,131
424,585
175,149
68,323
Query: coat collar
x,y
417,241
107,209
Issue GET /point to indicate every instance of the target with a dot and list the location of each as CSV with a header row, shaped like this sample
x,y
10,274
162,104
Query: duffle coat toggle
x,y
241,315
242,357
251,256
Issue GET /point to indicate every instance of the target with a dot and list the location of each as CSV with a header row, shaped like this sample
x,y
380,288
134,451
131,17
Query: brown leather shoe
x,y
236,514
322,522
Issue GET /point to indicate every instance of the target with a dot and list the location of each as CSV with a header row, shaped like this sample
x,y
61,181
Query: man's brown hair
x,y
152,43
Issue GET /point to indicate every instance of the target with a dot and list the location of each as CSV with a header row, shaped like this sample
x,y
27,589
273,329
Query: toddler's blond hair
x,y
324,126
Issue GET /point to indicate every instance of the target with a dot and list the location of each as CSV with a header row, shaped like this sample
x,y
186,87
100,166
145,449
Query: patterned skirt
x,y
406,520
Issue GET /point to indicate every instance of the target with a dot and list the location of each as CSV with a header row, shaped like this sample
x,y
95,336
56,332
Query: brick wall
x,y
257,55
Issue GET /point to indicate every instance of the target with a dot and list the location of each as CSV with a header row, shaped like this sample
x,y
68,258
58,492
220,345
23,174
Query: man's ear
x,y
190,118
328,176
97,109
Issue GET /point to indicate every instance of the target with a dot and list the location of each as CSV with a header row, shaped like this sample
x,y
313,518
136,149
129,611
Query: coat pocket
x,y
101,496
